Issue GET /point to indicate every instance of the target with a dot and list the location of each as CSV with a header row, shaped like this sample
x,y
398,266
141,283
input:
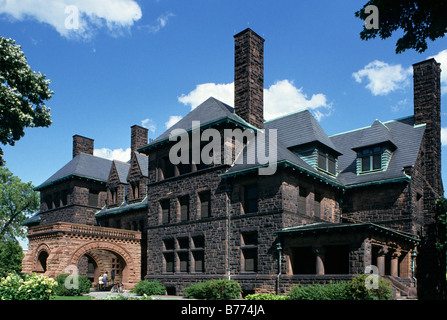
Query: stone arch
x,y
41,258
131,276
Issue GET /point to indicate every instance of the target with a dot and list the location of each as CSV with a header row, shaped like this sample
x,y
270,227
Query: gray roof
x,y
143,162
83,165
378,133
407,138
208,112
122,169
298,129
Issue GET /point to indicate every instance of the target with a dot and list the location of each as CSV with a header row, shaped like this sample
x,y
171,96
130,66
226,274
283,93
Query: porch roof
x,y
325,227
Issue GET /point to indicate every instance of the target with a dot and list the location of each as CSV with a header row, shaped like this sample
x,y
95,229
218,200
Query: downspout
x,y
413,271
228,191
278,247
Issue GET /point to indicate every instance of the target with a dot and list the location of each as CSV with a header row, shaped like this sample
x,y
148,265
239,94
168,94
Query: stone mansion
x,y
335,206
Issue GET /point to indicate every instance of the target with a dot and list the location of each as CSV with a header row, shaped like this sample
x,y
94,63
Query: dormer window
x,y
371,159
327,162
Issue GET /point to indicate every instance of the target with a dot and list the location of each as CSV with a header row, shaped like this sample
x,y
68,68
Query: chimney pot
x,y
138,137
82,145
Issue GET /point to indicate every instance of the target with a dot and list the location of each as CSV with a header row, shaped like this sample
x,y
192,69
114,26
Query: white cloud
x,y
172,120
444,136
116,15
280,99
149,124
283,98
441,57
160,23
383,78
113,154
223,92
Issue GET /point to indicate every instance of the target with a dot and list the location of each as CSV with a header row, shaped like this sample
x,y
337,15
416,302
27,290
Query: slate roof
x,y
406,136
84,166
378,133
143,162
122,168
210,111
298,129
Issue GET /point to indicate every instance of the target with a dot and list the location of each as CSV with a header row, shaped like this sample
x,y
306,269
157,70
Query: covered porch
x,y
327,251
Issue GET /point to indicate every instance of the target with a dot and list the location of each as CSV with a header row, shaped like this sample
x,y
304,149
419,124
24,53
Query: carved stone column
x,y
319,254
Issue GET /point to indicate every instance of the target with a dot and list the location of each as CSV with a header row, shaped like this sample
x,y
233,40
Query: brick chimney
x,y
82,145
427,109
249,77
138,137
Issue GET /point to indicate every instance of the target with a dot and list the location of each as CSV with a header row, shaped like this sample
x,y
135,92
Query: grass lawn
x,y
72,298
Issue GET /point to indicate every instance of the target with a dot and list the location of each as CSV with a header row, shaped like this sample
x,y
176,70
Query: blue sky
x,y
149,62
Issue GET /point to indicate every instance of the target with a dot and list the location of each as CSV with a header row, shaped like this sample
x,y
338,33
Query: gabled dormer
x,y
137,177
374,149
117,183
302,134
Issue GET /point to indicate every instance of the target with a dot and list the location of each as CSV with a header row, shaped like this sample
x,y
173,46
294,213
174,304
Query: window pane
x,y
184,262
169,262
366,163
184,209
198,261
165,211
366,151
331,164
377,161
322,161
205,208
251,198
377,149
250,260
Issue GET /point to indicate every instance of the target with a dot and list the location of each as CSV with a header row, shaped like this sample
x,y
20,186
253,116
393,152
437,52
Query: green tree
x,y
23,93
17,201
11,256
418,19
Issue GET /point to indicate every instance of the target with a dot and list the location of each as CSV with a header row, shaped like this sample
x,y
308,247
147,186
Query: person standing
x,y
104,279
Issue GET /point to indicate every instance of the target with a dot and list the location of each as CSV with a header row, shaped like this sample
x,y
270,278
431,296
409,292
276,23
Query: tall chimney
x,y
138,137
82,145
427,109
249,77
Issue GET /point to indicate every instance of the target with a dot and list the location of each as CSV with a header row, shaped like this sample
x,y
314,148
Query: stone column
x,y
395,263
381,260
319,254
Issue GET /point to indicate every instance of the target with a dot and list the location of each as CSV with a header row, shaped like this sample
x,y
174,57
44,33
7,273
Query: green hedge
x,y
354,289
145,287
221,289
84,285
265,296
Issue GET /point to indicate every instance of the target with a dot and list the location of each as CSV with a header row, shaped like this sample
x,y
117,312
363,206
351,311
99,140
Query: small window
x,y
250,258
205,207
199,261
302,200
184,208
198,241
165,209
184,261
371,159
169,262
93,197
327,162
183,243
251,198
169,244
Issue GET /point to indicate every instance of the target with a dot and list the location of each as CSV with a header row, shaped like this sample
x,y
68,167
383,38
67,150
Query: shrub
x,y
84,285
221,289
30,287
266,296
358,291
149,288
331,291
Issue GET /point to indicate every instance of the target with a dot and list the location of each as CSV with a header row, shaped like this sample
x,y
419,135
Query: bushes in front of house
x,y
217,289
26,287
72,288
148,288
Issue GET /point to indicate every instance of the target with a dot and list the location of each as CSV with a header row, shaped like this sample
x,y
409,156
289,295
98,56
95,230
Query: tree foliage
x,y
418,19
23,93
11,256
17,201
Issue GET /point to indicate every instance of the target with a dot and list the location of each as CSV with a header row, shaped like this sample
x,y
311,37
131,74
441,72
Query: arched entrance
x,y
94,250
105,257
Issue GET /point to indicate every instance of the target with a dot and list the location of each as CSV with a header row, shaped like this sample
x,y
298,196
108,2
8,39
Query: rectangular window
x,y
184,208
169,244
205,207
250,258
165,210
322,161
184,261
371,159
183,243
169,262
199,261
302,201
331,164
93,198
251,198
